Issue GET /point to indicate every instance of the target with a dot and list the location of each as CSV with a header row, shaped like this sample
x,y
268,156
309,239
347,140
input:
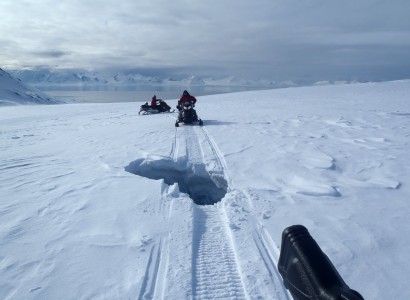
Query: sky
x,y
264,39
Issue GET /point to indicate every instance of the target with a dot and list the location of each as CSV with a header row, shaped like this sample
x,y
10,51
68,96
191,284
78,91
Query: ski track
x,y
151,274
269,261
154,281
270,257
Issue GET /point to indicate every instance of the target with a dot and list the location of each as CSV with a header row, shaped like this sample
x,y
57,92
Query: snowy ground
x,y
77,222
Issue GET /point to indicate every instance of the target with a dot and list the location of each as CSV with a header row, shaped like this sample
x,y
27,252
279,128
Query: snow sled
x,y
161,107
187,114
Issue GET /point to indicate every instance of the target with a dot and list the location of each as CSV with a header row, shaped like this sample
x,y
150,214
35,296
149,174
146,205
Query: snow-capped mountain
x,y
73,78
70,77
14,92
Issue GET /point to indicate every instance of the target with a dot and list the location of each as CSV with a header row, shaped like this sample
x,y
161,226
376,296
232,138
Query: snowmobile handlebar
x,y
306,270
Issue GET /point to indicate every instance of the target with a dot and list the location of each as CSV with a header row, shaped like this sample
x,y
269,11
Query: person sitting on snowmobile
x,y
154,102
186,97
160,104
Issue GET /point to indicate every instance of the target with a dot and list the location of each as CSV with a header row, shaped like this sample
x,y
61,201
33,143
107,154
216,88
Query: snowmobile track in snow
x,y
215,272
214,268
214,265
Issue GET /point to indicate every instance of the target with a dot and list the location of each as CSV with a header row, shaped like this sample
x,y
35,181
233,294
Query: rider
x,y
186,97
159,104
154,102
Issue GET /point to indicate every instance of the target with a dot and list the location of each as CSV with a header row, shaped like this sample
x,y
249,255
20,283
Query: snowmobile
x,y
161,107
187,114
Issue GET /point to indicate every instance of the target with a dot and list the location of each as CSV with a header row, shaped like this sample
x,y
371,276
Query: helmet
x,y
154,97
185,93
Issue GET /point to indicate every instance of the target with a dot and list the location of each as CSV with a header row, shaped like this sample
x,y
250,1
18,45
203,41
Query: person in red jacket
x,y
186,97
154,102
160,105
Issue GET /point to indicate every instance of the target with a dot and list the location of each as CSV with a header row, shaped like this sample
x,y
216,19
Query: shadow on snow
x,y
193,179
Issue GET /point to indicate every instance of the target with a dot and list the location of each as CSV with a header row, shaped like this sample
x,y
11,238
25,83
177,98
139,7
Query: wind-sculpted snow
x,y
192,164
192,179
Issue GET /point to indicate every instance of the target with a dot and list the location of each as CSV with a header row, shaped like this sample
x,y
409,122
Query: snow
x,y
79,223
14,92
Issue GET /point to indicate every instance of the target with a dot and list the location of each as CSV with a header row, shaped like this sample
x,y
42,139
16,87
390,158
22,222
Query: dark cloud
x,y
51,53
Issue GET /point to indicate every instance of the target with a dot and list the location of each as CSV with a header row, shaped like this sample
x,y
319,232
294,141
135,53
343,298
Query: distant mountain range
x,y
50,79
15,92
47,77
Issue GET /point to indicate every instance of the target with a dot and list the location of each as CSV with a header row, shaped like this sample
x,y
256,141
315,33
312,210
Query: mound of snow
x,y
14,92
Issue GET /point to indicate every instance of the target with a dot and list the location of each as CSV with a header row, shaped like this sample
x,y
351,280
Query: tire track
x,y
263,242
216,262
215,271
193,149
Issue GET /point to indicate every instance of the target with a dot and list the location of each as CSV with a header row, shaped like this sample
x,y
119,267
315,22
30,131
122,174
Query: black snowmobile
x,y
187,114
161,107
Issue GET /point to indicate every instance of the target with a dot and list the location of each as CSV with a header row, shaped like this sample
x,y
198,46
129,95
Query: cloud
x,y
286,39
51,53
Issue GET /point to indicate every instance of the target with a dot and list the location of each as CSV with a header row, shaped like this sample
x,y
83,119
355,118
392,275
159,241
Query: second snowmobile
x,y
162,106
